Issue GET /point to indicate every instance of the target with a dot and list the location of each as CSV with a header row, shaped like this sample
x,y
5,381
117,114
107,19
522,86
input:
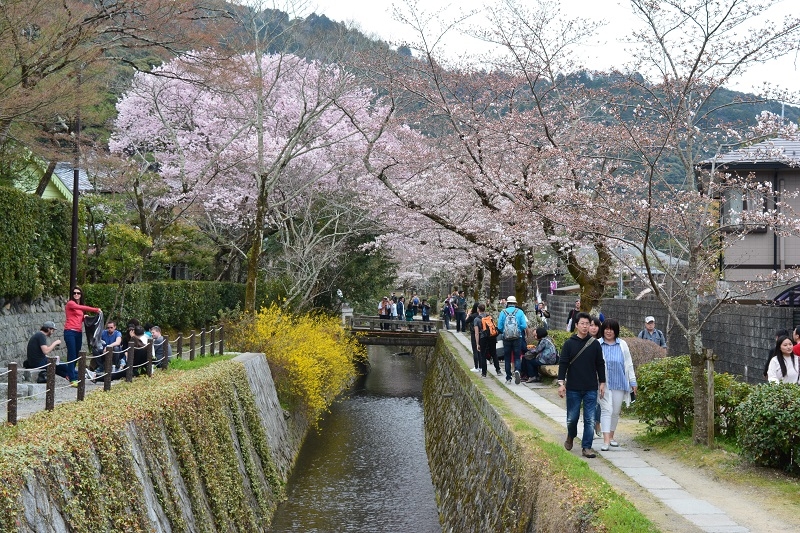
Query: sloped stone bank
x,y
486,477
209,450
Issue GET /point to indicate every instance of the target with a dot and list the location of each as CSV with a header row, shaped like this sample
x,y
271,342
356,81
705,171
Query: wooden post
x,y
179,347
149,366
191,346
50,395
203,342
221,339
12,393
81,376
211,344
129,363
107,362
165,353
710,357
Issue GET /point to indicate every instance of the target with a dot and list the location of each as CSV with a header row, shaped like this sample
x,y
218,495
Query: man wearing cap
x,y
38,350
650,332
513,337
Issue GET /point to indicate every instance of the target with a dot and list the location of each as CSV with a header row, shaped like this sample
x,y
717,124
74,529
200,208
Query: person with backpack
x,y
485,334
512,324
650,332
425,312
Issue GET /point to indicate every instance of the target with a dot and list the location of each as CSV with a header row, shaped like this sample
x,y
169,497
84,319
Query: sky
x,y
374,17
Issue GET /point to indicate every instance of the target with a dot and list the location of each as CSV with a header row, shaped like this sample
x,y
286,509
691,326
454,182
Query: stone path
x,y
705,516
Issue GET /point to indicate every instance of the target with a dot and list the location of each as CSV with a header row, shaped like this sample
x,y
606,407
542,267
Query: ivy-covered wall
x,y
207,450
34,248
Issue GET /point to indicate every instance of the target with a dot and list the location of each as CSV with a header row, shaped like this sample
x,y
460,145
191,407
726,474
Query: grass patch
x,y
199,362
725,464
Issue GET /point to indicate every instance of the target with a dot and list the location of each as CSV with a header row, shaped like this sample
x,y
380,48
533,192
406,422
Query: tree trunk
x,y
699,384
494,283
477,290
520,278
254,254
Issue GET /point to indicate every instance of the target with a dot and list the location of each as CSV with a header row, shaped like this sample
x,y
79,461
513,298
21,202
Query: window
x,y
737,202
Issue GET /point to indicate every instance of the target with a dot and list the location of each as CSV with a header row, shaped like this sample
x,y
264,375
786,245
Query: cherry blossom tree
x,y
250,135
662,205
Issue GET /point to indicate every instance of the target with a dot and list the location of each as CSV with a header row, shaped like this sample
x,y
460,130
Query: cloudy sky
x,y
374,17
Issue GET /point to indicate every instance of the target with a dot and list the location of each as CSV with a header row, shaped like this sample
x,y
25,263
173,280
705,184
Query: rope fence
x,y
136,358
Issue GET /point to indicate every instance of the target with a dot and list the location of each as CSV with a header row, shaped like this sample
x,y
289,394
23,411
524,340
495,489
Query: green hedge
x,y
34,249
770,426
176,305
665,398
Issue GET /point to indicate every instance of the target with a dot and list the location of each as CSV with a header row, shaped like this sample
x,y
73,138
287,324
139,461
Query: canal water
x,y
366,468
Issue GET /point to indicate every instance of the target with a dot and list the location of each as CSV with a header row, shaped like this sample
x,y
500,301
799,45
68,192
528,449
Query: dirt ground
x,y
748,506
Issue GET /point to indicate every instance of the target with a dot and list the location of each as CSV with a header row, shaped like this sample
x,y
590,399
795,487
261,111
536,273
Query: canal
x,y
366,468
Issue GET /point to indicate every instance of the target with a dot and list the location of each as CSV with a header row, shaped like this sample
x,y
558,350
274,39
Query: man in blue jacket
x,y
512,325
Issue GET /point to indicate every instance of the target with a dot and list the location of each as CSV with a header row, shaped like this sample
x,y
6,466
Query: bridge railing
x,y
372,323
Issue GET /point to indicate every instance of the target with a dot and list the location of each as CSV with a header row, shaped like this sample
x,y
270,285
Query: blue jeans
x,y
74,341
574,399
511,350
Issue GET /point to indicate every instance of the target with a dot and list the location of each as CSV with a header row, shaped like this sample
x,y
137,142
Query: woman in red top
x,y
73,330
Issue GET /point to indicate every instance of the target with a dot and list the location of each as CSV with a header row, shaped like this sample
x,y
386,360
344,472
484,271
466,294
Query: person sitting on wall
x,y
39,349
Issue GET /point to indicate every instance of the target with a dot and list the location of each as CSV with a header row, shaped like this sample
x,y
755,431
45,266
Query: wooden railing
x,y
212,340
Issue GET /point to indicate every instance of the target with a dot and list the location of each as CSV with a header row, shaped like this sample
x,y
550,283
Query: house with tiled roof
x,y
760,250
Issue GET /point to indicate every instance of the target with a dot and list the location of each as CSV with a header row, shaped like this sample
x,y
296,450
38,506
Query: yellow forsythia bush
x,y
312,357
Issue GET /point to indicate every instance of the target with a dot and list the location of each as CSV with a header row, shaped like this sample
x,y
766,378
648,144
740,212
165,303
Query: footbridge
x,y
374,330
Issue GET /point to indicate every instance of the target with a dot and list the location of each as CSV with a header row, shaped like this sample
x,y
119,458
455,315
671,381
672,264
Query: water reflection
x,y
366,470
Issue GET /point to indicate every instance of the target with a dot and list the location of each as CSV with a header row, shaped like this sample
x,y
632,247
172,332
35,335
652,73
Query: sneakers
x,y
614,443
508,381
74,384
499,372
91,376
604,448
588,453
42,378
475,369
568,444
516,377
122,363
534,380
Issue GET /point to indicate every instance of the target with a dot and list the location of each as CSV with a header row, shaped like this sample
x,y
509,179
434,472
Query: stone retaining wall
x,y
19,321
167,489
484,479
740,335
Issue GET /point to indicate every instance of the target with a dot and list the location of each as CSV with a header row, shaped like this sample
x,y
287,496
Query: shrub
x,y
312,357
665,397
176,305
770,426
644,351
559,337
34,251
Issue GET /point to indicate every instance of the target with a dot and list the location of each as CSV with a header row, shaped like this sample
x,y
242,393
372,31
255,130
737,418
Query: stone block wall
x,y
19,320
740,335
485,478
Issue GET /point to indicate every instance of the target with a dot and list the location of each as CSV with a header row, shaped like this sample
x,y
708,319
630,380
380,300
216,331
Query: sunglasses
x,y
76,292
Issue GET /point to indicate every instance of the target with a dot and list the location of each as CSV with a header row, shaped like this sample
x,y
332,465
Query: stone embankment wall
x,y
485,479
159,477
740,335
18,321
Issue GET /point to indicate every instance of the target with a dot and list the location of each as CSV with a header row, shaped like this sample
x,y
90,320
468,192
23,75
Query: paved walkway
x,y
696,510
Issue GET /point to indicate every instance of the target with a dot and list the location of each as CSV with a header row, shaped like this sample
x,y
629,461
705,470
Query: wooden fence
x,y
210,341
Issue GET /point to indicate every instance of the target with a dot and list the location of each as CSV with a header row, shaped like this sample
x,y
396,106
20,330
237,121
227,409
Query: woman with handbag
x,y
620,380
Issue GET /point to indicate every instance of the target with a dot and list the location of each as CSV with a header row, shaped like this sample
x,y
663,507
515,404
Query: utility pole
x,y
76,160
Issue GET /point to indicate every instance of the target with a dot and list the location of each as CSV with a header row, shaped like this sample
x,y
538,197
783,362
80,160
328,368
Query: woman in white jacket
x,y
620,380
